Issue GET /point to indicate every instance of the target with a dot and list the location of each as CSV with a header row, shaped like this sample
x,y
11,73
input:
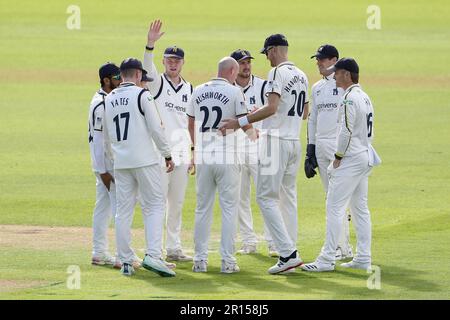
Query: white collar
x,y
285,63
249,84
170,81
351,87
329,77
127,84
220,79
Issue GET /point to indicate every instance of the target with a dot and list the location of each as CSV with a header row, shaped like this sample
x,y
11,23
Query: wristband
x,y
149,48
168,158
243,121
338,156
192,148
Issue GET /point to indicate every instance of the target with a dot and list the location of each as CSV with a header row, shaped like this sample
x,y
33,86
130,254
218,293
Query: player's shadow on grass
x,y
396,276
252,277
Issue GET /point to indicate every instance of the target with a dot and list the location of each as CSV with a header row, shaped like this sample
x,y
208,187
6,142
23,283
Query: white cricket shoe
x,y
356,265
158,266
273,251
127,270
286,263
177,255
200,266
317,266
247,248
229,267
105,259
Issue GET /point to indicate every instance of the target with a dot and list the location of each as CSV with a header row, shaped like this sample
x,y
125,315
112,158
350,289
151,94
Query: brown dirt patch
x,y
11,285
76,238
48,238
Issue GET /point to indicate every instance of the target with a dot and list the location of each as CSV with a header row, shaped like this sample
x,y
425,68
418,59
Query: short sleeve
x,y
274,82
306,89
240,105
190,107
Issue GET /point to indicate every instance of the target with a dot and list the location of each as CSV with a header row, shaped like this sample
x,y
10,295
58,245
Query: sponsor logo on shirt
x,y
173,108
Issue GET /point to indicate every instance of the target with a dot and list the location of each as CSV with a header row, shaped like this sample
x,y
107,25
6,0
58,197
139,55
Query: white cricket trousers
x,y
245,217
174,187
146,181
325,149
276,190
225,179
105,209
348,186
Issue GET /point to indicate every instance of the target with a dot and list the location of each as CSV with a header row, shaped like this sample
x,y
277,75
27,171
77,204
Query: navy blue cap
x,y
107,70
326,51
273,41
348,64
145,77
174,52
131,63
240,54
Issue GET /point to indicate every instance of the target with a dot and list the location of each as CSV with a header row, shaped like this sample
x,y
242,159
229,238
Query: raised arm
x,y
154,34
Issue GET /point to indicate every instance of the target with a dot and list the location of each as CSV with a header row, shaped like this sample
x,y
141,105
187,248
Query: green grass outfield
x,y
49,74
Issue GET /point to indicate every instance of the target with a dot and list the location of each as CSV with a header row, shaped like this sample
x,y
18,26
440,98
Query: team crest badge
x,y
252,100
184,98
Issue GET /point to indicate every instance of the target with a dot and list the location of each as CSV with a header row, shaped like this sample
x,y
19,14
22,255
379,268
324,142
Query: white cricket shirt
x,y
132,124
211,103
171,101
355,122
292,85
324,110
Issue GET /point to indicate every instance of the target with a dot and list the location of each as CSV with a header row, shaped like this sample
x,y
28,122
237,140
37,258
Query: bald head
x,y
228,69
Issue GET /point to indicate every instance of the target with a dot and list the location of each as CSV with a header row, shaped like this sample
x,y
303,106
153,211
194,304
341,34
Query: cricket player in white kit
x,y
349,172
276,191
105,204
253,89
322,131
132,127
172,94
217,162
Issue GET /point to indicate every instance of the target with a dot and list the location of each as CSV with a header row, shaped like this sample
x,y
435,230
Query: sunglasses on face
x,y
116,77
268,49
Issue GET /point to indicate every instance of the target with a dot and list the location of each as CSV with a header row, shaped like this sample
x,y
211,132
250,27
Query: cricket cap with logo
x,y
326,51
240,54
174,52
273,41
348,64
109,69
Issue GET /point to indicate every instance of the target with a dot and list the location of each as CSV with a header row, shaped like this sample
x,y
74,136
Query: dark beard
x,y
112,86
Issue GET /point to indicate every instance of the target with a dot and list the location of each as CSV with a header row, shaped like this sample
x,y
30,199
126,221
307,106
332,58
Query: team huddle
x,y
148,131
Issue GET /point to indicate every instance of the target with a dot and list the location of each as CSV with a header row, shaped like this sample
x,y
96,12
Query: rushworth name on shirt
x,y
212,95
296,79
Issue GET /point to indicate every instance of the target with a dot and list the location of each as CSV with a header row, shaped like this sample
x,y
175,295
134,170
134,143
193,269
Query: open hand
x,y
154,33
